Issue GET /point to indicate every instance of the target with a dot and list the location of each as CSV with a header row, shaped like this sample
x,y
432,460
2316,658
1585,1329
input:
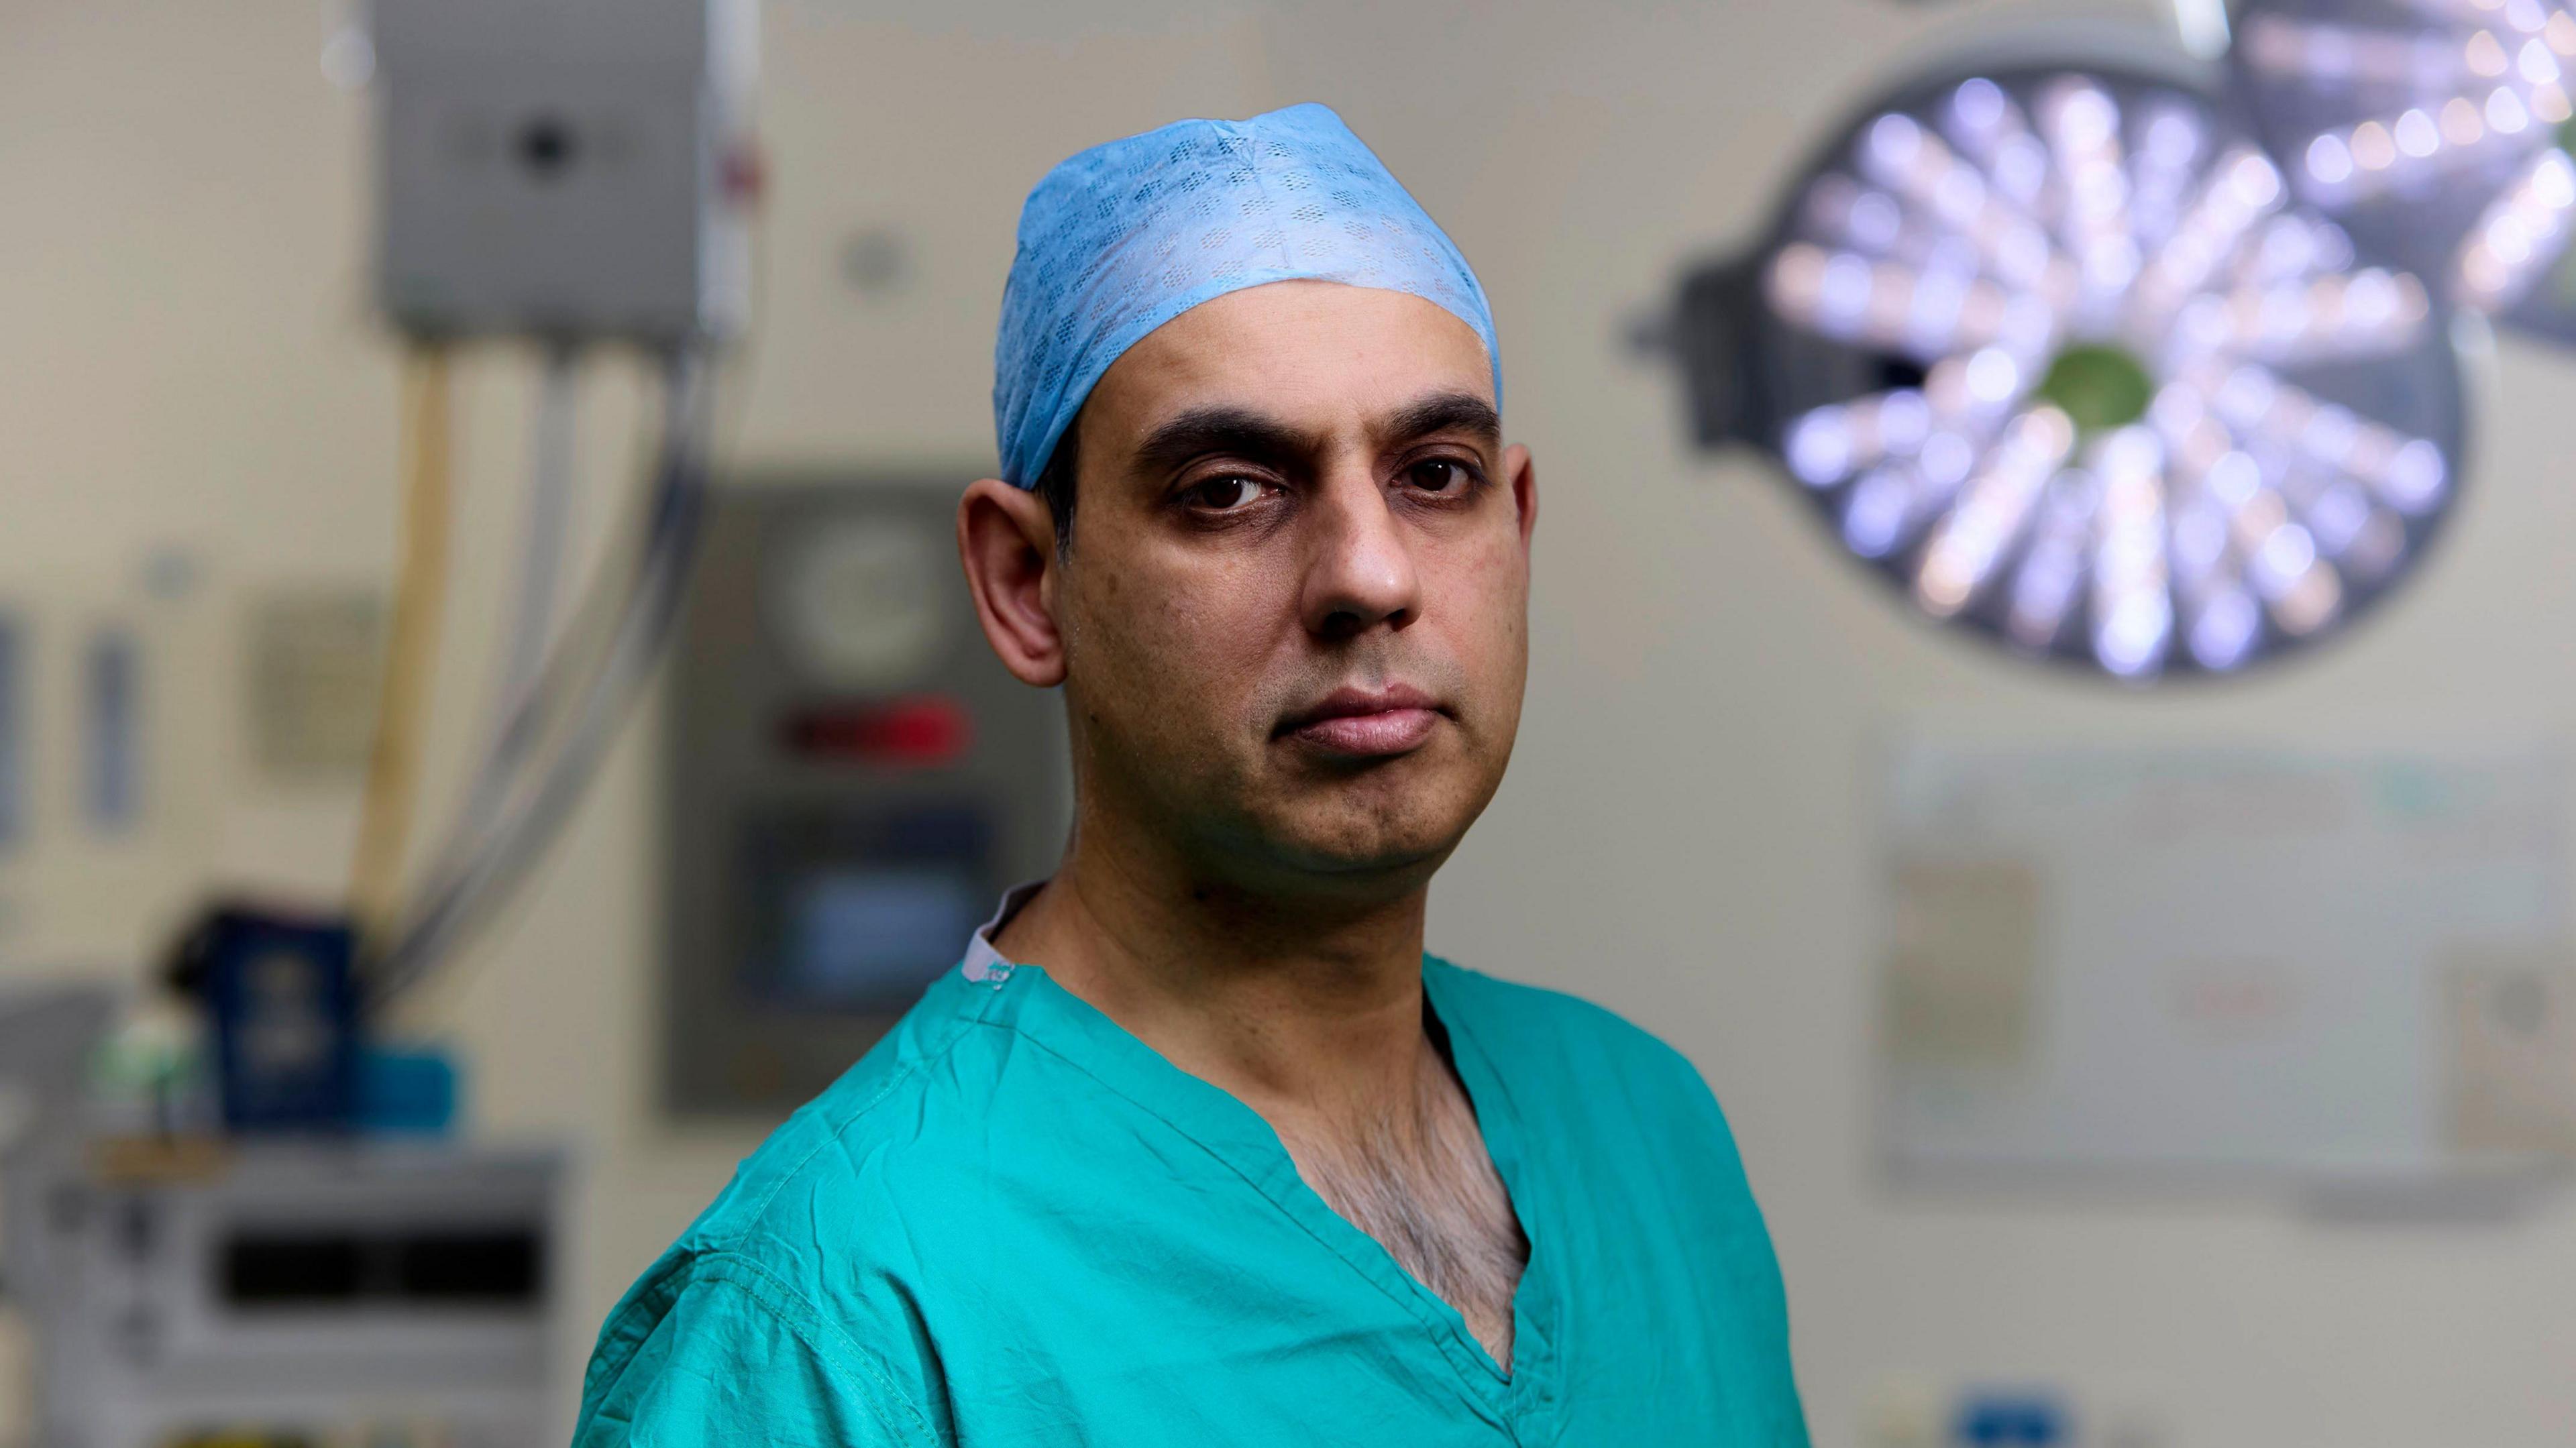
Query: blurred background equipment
x,y
280,1291
2338,974
384,1293
47,1036
2049,348
858,777
2436,132
240,1216
570,168
282,1000
574,173
554,727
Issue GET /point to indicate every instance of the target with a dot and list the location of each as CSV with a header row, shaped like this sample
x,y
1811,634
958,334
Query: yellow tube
x,y
411,651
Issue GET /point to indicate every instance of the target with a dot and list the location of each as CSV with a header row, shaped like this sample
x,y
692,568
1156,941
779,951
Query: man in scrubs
x,y
1197,1146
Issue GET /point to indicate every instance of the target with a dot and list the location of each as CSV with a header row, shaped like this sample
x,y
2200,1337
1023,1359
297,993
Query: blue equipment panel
x,y
286,1020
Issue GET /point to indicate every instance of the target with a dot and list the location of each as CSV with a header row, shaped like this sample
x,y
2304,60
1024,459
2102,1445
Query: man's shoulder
x,y
1607,1104
804,1250
1582,1070
1513,1021
863,1182
880,1140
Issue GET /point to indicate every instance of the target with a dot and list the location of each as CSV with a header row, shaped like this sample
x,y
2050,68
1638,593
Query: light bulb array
x,y
2438,129
2059,352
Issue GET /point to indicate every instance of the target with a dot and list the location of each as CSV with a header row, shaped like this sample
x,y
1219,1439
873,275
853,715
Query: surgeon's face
x,y
1295,616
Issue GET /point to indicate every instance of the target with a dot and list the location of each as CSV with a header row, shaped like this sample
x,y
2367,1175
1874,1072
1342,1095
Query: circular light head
x,y
2052,348
2436,131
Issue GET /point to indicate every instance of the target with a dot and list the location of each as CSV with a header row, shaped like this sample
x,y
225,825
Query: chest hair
x,y
1417,1178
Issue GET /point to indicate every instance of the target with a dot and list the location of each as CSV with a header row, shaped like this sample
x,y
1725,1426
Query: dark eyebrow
x,y
1441,412
1243,433
1233,431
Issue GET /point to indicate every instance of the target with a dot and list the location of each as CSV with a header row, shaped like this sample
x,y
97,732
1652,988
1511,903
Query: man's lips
x,y
1367,723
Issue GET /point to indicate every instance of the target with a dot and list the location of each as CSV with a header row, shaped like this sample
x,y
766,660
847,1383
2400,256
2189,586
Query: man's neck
x,y
1310,1012
1295,1006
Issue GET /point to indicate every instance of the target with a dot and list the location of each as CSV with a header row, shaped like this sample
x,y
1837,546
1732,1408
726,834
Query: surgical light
x,y
2053,348
2437,132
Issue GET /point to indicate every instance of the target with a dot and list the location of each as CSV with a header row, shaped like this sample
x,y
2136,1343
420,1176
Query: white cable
x,y
544,542
477,874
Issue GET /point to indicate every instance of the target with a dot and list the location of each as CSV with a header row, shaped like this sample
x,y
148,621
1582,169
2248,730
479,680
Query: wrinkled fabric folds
x,y
1013,1223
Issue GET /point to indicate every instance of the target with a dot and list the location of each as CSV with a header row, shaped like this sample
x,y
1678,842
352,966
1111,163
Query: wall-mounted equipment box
x,y
573,168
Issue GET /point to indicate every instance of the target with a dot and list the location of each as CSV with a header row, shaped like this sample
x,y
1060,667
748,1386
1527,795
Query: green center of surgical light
x,y
2099,387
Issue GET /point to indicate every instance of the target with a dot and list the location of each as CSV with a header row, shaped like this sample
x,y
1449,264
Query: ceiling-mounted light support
x,y
2050,346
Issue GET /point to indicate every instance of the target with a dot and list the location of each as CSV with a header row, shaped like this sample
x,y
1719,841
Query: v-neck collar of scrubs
x,y
1024,999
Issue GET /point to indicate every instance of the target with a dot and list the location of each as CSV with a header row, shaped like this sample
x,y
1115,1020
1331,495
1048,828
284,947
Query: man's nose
x,y
1359,570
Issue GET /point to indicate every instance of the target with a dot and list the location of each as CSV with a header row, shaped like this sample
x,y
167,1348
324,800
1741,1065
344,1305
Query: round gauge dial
x,y
862,602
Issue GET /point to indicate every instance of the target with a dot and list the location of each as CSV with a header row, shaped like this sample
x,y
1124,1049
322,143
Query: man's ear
x,y
1523,476
1006,540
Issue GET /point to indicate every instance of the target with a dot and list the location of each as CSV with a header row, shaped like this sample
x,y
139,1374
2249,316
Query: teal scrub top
x,y
1014,1223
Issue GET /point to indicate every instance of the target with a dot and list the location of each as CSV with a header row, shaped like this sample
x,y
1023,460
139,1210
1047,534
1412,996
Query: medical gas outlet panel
x,y
852,781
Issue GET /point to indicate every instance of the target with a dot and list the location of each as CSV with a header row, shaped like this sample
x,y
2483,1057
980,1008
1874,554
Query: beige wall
x,y
1686,835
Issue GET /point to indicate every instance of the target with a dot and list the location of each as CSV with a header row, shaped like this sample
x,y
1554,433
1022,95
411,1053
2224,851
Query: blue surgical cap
x,y
1126,236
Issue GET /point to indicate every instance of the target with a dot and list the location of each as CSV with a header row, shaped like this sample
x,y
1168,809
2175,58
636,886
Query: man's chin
x,y
1365,846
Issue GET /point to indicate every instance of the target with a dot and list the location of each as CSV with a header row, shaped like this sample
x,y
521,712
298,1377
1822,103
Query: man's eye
x,y
1224,495
1445,476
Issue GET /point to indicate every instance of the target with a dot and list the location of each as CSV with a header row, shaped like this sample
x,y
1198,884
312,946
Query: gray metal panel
x,y
557,167
138,1343
432,33
47,1034
738,678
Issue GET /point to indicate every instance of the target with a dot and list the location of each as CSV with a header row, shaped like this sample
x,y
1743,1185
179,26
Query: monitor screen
x,y
866,934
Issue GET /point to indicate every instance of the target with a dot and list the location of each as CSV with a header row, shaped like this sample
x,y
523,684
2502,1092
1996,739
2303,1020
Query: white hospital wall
x,y
1686,833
